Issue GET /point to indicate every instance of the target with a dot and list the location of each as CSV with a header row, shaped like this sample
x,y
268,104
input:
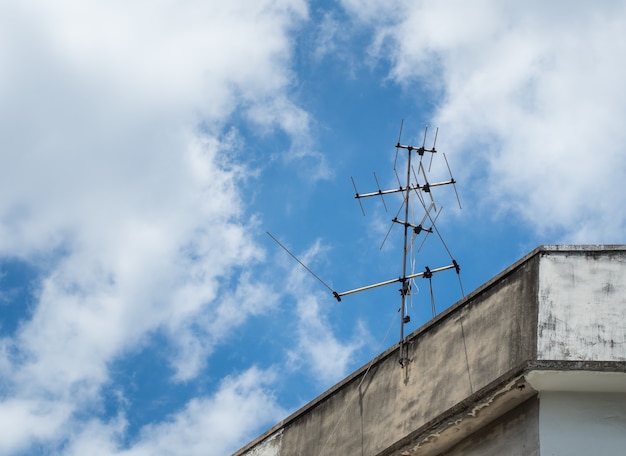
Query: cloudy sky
x,y
147,147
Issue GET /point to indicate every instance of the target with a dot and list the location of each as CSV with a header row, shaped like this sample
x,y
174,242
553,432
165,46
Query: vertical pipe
x,y
404,289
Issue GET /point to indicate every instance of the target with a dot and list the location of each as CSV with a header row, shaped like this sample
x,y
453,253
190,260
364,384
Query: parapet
x,y
553,321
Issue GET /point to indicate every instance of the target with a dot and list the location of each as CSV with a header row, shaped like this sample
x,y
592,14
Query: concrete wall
x,y
462,351
516,433
582,305
469,347
559,308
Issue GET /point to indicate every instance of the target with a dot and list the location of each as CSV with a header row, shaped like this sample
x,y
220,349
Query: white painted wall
x,y
582,424
582,307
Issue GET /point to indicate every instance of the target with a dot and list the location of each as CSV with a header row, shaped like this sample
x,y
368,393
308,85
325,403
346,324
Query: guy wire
x,y
301,263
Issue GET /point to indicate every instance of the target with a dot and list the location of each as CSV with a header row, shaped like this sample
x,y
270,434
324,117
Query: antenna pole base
x,y
404,359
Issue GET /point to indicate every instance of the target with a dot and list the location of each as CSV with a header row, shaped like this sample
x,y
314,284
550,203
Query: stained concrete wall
x,y
468,366
582,305
516,433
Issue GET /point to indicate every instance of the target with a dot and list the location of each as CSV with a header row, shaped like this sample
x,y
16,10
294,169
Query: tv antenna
x,y
417,185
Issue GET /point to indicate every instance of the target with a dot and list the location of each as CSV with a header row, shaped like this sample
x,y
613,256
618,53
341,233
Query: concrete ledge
x,y
503,395
465,418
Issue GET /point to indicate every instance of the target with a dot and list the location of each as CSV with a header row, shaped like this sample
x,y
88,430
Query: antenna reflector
x,y
452,181
380,192
357,196
433,149
398,147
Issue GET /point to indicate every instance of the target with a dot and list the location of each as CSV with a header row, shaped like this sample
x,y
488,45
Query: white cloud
x,y
42,418
532,97
328,36
318,349
374,11
123,185
213,425
202,333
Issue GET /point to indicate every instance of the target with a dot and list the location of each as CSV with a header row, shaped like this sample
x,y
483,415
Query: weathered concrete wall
x,y
470,365
582,311
465,349
516,433
469,347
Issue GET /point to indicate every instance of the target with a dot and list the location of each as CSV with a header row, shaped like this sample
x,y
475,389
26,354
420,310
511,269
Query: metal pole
x,y
405,285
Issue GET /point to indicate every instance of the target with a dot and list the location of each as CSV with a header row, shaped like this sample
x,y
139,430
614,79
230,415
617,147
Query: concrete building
x,y
531,363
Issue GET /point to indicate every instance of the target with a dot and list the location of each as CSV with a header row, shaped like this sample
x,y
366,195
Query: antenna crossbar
x,y
416,228
399,279
420,150
425,188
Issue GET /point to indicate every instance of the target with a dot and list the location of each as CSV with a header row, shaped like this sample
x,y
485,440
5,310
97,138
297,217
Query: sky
x,y
147,147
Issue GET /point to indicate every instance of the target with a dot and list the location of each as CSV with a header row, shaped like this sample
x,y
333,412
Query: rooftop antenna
x,y
413,186
411,230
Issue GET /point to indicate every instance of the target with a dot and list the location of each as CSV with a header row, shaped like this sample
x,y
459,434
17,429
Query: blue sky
x,y
146,148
